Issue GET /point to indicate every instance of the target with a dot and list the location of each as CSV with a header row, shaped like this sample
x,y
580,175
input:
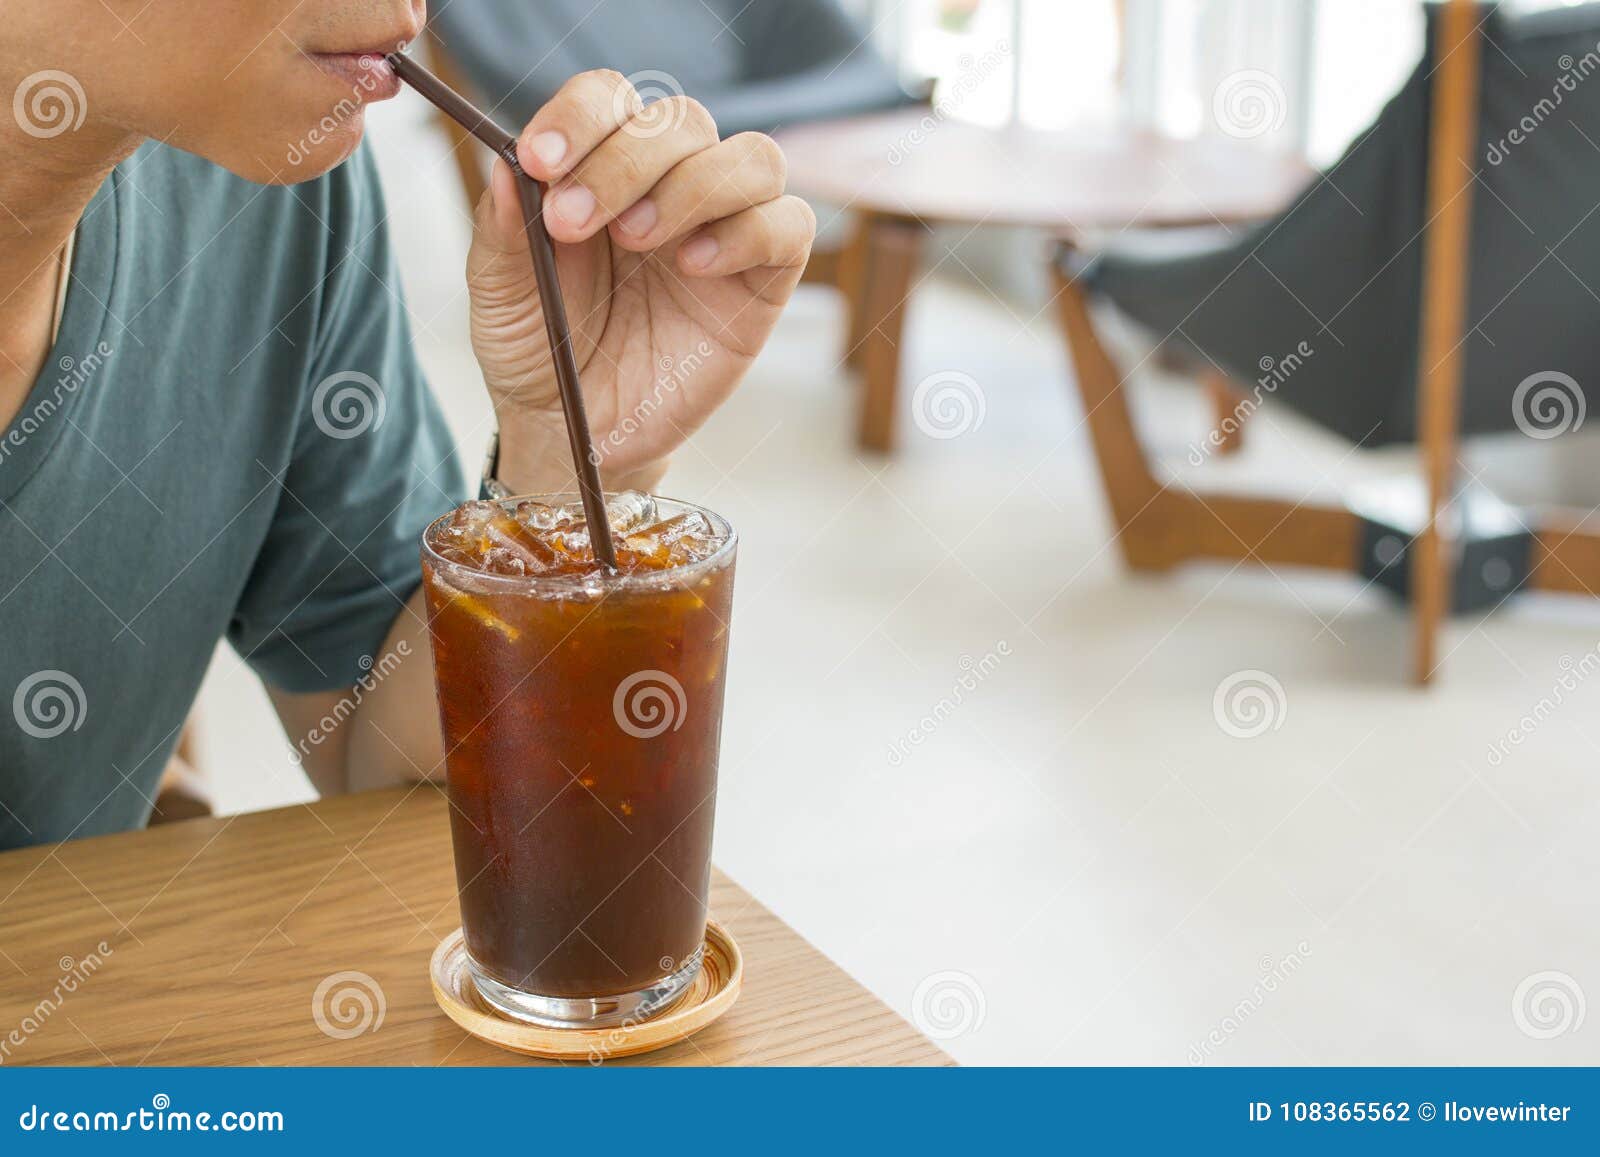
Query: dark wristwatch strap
x,y
490,488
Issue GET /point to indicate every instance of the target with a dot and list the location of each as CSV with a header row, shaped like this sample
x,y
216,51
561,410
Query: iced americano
x,y
581,711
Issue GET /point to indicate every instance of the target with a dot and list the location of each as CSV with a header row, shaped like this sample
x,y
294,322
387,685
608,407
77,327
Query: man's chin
x,y
317,150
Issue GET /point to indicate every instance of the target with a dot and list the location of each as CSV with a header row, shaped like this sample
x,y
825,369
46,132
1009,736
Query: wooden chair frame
x,y
1160,525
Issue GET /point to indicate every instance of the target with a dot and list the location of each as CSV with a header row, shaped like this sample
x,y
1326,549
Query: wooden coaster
x,y
713,992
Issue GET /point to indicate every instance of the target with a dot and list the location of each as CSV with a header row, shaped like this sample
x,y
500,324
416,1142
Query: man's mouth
x,y
367,73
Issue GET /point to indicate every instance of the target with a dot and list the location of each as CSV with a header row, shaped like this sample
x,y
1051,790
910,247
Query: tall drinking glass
x,y
581,716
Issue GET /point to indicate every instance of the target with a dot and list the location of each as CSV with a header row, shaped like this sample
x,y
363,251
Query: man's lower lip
x,y
367,73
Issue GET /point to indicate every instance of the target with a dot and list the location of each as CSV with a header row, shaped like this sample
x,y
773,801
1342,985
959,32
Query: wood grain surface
x,y
205,943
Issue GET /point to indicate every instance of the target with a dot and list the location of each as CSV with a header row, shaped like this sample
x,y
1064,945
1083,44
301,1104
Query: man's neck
x,y
45,184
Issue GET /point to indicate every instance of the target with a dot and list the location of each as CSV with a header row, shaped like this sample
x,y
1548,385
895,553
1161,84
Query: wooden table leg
x,y
893,250
852,274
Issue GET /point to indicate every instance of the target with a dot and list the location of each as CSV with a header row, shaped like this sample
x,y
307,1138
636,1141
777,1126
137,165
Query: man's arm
x,y
384,730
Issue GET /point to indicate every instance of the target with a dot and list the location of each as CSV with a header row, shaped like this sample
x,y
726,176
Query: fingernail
x,y
574,205
549,148
700,252
640,219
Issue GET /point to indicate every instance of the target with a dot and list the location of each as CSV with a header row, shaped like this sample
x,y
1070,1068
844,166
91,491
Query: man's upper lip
x,y
374,46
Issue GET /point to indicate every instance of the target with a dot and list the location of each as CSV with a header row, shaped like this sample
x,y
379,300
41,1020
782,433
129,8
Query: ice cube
x,y
504,537
501,560
630,511
693,524
470,517
694,547
542,516
572,543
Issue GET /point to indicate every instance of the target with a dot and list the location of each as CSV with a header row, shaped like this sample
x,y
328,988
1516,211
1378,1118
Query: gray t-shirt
x,y
231,438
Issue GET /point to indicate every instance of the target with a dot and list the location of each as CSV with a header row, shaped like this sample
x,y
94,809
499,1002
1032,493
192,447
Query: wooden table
x,y
220,930
906,171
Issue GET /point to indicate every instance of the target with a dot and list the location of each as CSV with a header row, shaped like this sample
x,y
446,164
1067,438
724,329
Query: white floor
x,y
1075,862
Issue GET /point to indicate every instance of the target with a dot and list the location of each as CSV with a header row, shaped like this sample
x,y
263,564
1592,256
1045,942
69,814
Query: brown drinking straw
x,y
459,109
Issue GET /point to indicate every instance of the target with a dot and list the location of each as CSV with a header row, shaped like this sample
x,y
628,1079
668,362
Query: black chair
x,y
757,65
1441,279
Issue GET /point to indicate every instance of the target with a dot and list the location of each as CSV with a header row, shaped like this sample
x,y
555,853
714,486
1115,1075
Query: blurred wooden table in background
x,y
204,943
904,172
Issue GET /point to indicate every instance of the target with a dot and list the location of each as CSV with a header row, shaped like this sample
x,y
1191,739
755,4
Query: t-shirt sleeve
x,y
372,462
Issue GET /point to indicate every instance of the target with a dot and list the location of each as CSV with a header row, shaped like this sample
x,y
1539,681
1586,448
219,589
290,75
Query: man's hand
x,y
676,253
